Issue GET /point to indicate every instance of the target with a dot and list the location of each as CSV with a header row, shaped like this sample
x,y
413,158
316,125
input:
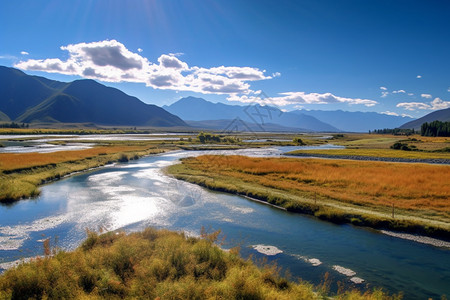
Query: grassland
x,y
156,265
358,192
375,146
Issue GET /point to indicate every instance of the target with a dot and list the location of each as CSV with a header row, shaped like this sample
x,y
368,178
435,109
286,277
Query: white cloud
x,y
436,104
383,88
301,98
419,76
24,53
413,105
410,94
389,113
176,54
111,61
427,96
448,90
399,91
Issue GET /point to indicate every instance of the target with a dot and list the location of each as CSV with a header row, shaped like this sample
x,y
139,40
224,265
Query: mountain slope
x,y
198,109
25,98
4,117
19,91
356,121
442,115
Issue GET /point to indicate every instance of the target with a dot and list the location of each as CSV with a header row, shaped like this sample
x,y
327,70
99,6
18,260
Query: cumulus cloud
x,y
383,88
301,98
419,76
427,96
111,61
24,53
436,104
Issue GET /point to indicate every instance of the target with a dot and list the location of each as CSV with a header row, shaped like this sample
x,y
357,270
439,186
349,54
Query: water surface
x,y
132,196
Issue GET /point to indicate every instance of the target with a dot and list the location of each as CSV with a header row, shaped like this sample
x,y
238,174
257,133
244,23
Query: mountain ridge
x,y
29,99
442,115
356,121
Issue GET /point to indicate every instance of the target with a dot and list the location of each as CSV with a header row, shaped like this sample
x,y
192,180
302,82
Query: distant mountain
x,y
25,98
356,121
442,115
198,109
239,125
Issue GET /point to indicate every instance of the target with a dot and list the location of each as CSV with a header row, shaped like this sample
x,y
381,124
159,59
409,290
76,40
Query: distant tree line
x,y
14,125
435,128
394,131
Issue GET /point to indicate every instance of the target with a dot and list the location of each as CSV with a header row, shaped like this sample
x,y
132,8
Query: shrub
x,y
123,158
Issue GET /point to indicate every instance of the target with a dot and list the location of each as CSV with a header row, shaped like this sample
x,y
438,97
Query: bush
x,y
123,158
298,141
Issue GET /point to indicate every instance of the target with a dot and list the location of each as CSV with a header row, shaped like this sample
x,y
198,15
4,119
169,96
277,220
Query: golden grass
x,y
156,265
14,161
388,153
407,186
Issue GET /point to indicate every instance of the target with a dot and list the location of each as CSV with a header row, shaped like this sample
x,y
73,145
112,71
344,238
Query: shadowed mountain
x,y
356,121
25,98
442,115
265,118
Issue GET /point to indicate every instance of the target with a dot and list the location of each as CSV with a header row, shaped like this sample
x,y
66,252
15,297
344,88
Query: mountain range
x,y
34,99
199,112
263,117
356,121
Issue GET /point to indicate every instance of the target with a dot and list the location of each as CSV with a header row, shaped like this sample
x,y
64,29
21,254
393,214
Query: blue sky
x,y
384,56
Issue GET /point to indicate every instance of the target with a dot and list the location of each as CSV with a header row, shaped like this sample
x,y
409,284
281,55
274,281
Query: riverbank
x,y
23,173
157,265
360,193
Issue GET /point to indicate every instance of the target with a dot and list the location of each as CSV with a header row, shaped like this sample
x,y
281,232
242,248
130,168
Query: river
x,y
134,195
